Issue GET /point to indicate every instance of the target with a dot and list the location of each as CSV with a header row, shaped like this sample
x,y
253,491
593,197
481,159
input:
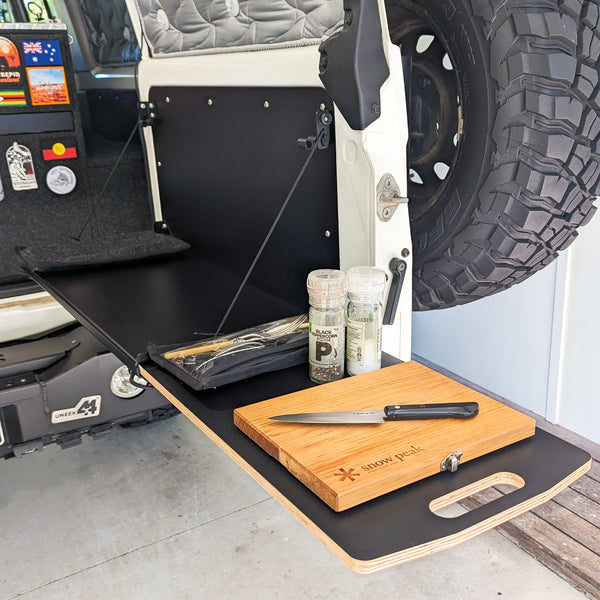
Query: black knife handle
x,y
448,410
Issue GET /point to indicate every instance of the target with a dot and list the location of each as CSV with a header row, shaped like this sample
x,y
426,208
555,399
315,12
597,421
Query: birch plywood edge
x,y
346,465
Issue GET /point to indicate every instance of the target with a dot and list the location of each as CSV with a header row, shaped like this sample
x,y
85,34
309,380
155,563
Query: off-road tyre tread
x,y
545,167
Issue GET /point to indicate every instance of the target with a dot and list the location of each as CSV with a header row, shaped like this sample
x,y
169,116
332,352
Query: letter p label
x,y
323,349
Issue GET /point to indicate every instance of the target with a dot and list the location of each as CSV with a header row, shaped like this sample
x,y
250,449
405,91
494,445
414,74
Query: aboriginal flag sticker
x,y
59,150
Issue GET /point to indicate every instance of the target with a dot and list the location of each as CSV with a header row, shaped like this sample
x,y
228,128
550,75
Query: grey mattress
x,y
203,26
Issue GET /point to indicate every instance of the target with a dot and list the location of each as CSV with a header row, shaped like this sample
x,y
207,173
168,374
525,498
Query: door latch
x,y
398,268
451,462
388,197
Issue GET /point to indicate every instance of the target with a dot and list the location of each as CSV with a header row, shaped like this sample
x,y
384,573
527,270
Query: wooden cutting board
x,y
346,465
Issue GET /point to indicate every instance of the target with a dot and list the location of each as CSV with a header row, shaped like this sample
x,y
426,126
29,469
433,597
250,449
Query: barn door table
x,y
163,301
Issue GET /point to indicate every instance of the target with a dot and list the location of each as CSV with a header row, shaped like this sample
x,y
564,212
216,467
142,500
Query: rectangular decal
x,y
9,62
59,150
42,53
85,408
20,167
12,98
47,85
7,76
42,122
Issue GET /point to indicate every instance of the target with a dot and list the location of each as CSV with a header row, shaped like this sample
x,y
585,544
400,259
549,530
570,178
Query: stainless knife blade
x,y
400,412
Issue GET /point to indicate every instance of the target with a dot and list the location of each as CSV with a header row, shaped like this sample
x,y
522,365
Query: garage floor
x,y
160,512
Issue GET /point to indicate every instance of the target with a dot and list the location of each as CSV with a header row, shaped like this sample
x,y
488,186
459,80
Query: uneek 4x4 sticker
x,y
20,167
85,408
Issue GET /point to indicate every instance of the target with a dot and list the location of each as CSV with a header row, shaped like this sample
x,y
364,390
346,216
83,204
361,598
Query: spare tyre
x,y
504,129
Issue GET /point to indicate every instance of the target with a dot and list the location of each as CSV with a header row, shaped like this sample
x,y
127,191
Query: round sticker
x,y
61,179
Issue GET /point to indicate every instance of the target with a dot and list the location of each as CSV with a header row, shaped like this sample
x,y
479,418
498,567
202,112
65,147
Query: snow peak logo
x,y
394,458
86,407
344,474
353,474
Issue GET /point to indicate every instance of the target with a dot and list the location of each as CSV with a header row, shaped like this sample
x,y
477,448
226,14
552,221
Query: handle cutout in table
x,y
480,492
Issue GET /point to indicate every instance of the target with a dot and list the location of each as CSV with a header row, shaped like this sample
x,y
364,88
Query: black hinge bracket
x,y
146,114
353,66
322,139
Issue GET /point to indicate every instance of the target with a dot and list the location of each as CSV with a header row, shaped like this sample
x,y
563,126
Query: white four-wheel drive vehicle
x,y
502,102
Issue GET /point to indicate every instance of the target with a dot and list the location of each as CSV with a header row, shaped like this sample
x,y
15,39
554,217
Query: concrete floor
x,y
160,512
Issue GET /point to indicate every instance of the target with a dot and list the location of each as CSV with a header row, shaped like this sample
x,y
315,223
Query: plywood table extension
x,y
398,526
393,528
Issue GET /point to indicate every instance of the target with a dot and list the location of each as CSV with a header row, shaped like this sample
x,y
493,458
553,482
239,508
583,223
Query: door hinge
x,y
146,114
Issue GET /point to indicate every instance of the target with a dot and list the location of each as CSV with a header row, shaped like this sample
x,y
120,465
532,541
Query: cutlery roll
x,y
217,361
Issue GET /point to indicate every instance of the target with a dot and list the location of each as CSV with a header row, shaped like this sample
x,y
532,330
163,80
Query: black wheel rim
x,y
434,110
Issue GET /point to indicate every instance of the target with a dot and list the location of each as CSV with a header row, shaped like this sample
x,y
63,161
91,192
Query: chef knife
x,y
401,412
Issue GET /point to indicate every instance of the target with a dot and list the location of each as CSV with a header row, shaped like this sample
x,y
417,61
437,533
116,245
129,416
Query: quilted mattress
x,y
201,26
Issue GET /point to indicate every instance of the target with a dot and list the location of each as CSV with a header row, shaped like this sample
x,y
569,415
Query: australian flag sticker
x,y
42,53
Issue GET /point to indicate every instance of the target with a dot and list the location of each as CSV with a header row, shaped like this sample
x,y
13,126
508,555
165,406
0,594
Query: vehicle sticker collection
x,y
32,74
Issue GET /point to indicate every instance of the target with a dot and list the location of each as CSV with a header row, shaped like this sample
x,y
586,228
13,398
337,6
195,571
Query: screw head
x,y
326,118
405,252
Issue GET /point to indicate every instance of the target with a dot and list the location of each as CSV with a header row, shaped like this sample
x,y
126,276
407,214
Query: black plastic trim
x,y
353,66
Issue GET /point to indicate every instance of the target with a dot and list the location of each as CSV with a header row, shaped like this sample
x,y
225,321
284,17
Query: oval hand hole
x,y
476,494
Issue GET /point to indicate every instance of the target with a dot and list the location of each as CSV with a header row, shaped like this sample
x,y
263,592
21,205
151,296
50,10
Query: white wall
x,y
577,405
501,343
536,344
